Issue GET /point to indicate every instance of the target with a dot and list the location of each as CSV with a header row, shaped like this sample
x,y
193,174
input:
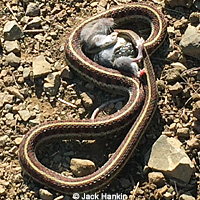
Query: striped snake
x,y
142,98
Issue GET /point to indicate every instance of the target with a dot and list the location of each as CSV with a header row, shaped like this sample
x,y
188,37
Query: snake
x,y
132,119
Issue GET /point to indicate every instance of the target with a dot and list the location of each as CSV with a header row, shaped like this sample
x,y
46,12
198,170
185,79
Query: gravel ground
x,y
26,101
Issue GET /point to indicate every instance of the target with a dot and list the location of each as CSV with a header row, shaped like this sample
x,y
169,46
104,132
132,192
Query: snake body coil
x,y
141,99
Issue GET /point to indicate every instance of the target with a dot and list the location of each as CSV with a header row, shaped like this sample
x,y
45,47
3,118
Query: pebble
x,y
66,73
86,100
12,31
2,190
18,140
183,132
190,42
172,75
13,60
3,140
40,66
26,72
45,194
174,55
24,114
15,92
32,10
175,89
52,83
12,46
196,110
179,66
82,167
157,178
35,23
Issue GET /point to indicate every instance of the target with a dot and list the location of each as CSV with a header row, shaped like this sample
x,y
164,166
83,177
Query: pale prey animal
x,y
98,35
107,49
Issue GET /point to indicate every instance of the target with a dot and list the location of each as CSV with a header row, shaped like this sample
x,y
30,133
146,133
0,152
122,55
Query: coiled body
x,y
141,100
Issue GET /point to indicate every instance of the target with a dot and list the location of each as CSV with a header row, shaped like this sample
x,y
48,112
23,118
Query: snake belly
x,y
142,99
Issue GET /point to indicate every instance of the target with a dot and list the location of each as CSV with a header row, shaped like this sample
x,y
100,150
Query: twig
x,y
96,111
134,191
34,31
8,6
68,103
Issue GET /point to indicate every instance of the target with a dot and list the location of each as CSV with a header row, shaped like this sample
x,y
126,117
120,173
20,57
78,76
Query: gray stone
x,y
40,66
52,83
167,157
32,10
190,42
12,31
12,46
82,167
13,60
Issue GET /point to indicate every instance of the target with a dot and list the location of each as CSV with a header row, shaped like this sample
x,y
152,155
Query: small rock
x,y
174,3
40,66
18,140
12,31
45,194
186,197
66,73
82,167
195,18
194,142
12,46
167,157
24,114
183,132
32,10
179,66
160,84
175,89
86,99
52,83
9,116
6,98
157,178
15,92
172,75
26,72
196,110
34,23
190,42
2,190
13,60
3,140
